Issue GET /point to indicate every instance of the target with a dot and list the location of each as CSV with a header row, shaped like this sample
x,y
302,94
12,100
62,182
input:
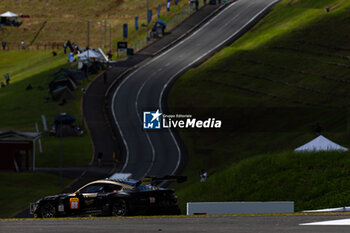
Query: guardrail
x,y
201,208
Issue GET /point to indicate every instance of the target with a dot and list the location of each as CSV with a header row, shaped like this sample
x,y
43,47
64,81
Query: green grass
x,y
21,109
70,18
310,179
19,189
294,58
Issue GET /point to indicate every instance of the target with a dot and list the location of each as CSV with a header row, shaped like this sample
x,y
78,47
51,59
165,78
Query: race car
x,y
112,197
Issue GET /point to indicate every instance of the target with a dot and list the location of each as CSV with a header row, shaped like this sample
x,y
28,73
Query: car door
x,y
103,197
88,198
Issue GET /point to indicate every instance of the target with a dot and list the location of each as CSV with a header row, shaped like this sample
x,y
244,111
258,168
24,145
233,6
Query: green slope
x,y
296,57
21,109
314,180
19,189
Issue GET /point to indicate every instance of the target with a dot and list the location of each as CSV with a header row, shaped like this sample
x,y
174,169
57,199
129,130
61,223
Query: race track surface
x,y
237,224
155,152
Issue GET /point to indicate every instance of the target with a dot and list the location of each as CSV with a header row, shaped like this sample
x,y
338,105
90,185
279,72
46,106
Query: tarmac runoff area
x,y
291,223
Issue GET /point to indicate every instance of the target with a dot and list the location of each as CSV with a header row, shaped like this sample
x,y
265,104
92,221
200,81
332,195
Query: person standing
x,y
22,45
3,45
65,48
7,78
203,176
109,55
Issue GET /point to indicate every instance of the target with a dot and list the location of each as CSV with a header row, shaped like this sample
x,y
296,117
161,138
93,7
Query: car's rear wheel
x,y
120,208
48,211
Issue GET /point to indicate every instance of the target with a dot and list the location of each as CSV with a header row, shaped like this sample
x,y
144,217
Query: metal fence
x,y
138,45
35,46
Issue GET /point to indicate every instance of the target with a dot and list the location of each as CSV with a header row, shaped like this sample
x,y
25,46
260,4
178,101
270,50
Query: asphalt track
x,y
237,224
155,152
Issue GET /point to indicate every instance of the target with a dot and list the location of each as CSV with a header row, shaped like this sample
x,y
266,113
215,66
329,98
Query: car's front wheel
x,y
120,208
47,211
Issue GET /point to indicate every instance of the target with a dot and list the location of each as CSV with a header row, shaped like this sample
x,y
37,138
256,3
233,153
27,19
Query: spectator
x,y
22,45
71,57
109,55
65,48
203,176
69,45
3,45
7,78
197,4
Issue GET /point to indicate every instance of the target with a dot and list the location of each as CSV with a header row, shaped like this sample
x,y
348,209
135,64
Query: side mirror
x,y
77,193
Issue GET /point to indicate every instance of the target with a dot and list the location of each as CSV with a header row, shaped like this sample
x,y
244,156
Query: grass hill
x,y
54,22
271,87
312,180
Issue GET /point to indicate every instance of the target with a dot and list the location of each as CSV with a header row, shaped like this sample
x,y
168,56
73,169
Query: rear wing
x,y
152,180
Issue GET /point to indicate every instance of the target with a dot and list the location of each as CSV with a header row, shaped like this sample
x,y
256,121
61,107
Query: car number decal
x,y
61,207
74,203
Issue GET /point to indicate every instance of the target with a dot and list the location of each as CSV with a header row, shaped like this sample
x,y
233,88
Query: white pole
x,y
37,130
34,155
44,122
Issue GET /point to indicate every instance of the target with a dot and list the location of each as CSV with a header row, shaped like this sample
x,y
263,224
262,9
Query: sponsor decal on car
x,y
74,203
61,207
152,200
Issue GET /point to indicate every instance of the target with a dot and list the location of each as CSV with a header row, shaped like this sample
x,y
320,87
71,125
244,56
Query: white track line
x,y
199,58
147,135
183,69
123,82
342,222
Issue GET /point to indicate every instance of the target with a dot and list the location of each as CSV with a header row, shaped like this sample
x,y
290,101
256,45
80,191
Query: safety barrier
x,y
199,208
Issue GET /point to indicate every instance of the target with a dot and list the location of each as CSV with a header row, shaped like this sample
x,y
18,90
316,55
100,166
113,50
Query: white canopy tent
x,y
96,54
320,144
90,54
8,14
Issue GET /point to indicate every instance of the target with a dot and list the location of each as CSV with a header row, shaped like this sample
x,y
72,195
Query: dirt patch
x,y
336,5
291,2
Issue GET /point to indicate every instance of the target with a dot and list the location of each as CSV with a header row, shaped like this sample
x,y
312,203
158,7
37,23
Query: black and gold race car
x,y
111,197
